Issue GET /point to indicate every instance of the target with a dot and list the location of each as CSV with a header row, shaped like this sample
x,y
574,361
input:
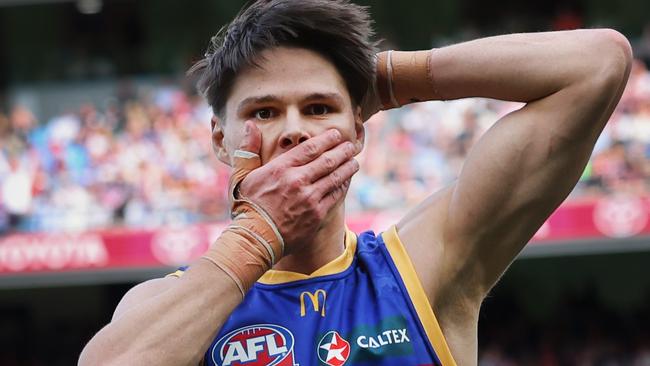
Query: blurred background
x,y
107,176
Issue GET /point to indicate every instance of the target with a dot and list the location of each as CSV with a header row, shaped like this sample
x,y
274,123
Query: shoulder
x,y
142,292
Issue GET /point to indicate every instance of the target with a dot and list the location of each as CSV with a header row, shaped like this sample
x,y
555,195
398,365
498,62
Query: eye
x,y
264,114
318,109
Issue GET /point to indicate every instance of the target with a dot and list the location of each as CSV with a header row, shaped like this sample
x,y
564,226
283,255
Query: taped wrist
x,y
405,77
252,243
241,253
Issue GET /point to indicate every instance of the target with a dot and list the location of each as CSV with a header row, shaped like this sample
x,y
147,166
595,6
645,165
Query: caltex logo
x,y
333,350
255,345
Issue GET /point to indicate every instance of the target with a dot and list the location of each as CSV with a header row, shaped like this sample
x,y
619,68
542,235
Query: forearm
x,y
174,327
515,67
522,67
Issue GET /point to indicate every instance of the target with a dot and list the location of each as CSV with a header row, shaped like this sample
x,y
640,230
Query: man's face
x,y
293,95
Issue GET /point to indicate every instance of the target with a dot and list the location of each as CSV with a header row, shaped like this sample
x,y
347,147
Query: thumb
x,y
252,140
247,155
245,158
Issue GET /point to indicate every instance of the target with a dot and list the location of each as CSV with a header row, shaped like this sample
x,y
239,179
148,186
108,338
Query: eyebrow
x,y
256,100
321,96
269,98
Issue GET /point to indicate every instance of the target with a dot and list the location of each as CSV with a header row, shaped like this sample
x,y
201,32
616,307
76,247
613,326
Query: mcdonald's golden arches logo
x,y
315,303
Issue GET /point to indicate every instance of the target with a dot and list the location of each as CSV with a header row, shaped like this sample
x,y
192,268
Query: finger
x,y
313,147
334,197
245,158
327,162
336,178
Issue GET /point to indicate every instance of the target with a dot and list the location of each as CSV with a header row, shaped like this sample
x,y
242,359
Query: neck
x,y
326,245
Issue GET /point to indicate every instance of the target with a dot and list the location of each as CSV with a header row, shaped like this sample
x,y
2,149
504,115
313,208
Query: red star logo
x,y
333,349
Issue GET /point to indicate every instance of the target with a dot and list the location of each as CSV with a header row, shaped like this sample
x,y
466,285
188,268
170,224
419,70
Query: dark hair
x,y
336,29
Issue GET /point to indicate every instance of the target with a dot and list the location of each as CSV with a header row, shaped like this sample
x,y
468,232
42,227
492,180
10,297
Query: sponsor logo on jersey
x,y
384,338
333,350
315,301
369,343
255,345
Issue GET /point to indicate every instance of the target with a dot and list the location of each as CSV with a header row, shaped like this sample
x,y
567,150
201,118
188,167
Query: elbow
x,y
618,51
612,57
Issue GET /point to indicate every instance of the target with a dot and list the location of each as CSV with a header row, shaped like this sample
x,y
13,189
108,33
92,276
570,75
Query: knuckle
x,y
304,192
303,178
335,179
329,162
285,179
294,181
349,149
310,149
350,168
335,135
313,172
275,171
345,186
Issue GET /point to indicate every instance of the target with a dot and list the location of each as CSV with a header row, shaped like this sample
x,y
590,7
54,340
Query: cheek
x,y
346,127
349,133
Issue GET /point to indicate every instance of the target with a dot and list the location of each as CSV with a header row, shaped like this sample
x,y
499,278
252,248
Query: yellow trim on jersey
x,y
338,265
418,296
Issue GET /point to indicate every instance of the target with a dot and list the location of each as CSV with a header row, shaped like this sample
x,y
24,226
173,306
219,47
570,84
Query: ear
x,y
217,141
359,129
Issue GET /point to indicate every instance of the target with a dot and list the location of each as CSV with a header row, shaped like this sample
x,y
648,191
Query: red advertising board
x,y
612,217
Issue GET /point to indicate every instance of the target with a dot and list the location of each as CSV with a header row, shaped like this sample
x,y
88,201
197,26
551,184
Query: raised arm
x,y
463,238
172,321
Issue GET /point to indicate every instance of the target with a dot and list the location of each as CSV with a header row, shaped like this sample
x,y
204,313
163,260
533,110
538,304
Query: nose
x,y
290,140
294,131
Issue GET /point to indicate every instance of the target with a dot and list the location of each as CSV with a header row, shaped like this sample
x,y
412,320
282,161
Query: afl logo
x,y
255,345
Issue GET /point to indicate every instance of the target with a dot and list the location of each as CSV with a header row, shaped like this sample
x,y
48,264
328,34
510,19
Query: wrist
x,y
405,77
248,247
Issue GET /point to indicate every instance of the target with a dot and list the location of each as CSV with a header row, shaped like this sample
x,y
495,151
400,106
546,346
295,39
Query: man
x,y
287,81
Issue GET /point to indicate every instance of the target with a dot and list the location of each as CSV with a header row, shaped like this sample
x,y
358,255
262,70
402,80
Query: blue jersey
x,y
365,308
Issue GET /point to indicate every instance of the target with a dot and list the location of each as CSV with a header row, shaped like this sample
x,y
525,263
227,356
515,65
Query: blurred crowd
x,y
143,161
147,160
